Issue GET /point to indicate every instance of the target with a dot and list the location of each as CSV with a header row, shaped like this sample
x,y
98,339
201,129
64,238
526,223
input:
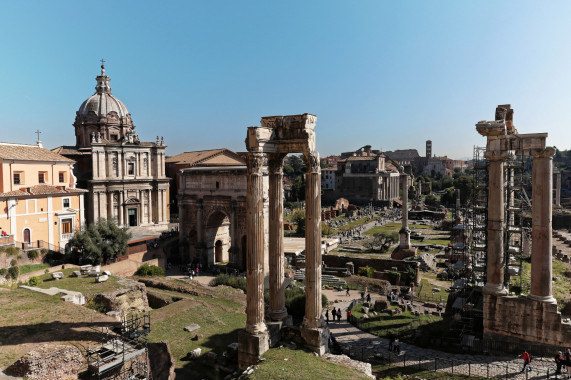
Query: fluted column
x,y
558,189
405,231
277,310
312,317
233,234
255,245
542,198
495,256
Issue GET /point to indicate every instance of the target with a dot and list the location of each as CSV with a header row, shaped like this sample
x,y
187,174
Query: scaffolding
x,y
123,355
515,202
479,219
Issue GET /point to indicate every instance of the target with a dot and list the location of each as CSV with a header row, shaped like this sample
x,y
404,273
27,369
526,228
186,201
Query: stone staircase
x,y
325,279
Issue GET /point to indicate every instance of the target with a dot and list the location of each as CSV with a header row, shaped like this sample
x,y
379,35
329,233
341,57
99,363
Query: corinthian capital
x,y
313,164
254,162
496,156
276,163
548,152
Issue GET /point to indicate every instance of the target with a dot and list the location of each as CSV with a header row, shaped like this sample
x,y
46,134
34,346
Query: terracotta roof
x,y
23,152
219,157
41,190
71,150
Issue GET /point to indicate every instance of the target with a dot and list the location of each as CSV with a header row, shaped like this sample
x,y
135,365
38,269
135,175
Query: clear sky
x,y
391,74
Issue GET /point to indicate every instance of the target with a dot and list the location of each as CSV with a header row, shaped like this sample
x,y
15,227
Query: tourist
x,y
327,316
339,314
568,359
347,292
348,315
526,360
391,342
362,295
559,362
369,297
396,346
334,314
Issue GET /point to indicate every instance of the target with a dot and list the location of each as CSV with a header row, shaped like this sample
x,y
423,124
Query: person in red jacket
x,y
559,362
526,360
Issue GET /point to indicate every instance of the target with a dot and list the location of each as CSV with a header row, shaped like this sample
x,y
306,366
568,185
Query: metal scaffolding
x,y
123,354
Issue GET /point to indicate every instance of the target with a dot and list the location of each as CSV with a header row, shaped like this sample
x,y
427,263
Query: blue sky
x,y
391,74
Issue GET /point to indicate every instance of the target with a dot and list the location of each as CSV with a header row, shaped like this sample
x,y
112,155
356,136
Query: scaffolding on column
x,y
515,203
479,218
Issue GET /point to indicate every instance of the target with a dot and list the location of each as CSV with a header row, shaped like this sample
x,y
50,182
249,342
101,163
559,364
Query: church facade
x,y
125,177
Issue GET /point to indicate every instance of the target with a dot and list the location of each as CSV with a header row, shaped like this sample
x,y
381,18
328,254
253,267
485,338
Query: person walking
x,y
327,316
334,314
368,297
526,360
348,315
339,314
347,292
559,362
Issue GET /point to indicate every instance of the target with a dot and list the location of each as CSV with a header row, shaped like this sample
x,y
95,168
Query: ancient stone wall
x,y
523,319
377,264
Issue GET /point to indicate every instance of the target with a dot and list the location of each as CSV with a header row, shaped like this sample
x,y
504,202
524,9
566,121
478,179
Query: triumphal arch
x,y
533,318
272,141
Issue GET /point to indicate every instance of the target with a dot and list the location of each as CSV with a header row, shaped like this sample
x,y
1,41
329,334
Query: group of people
x,y
335,313
560,360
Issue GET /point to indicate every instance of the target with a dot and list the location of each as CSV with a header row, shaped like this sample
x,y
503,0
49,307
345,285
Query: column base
x,y
251,347
495,289
546,299
403,252
316,339
279,315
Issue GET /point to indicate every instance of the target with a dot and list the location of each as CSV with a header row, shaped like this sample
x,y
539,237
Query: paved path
x,y
362,346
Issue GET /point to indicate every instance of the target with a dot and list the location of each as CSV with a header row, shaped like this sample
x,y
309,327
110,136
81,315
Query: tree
x,y
466,185
382,239
431,200
298,188
299,219
288,170
99,243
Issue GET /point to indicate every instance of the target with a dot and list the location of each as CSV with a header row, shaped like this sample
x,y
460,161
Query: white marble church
x,y
125,177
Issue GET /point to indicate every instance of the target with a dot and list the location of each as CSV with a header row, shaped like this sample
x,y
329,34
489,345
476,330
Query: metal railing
x,y
453,366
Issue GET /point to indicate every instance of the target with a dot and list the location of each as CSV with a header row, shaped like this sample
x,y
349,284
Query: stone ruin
x,y
534,318
272,141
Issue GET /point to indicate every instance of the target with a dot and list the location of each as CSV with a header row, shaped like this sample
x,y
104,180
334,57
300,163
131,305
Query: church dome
x,y
102,113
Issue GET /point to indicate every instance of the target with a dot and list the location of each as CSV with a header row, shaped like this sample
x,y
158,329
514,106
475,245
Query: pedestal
x,y
316,339
251,347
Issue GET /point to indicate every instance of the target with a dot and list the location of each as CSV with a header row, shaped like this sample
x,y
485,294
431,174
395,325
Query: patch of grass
x,y
427,295
437,241
389,227
32,268
384,324
219,319
289,364
29,319
85,285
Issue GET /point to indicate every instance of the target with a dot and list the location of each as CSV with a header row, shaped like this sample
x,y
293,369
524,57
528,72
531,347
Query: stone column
x,y
277,310
254,341
199,228
404,232
558,189
313,330
255,246
312,317
542,199
495,256
233,233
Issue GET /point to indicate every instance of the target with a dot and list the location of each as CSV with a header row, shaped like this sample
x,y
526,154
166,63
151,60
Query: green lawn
x,y
85,285
287,364
427,295
389,227
384,324
32,268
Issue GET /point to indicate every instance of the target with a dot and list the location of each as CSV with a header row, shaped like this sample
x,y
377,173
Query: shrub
x,y
33,254
13,262
147,270
43,251
295,302
13,273
392,276
237,282
366,271
47,271
34,281
12,251
3,272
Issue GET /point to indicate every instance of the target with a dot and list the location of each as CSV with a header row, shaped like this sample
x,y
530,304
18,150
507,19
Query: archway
x,y
218,251
26,236
218,239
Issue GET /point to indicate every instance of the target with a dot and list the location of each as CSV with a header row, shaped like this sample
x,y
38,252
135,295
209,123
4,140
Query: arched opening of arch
x,y
218,238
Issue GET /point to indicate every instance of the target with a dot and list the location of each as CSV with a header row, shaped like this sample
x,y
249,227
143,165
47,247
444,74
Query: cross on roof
x,y
38,133
102,62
